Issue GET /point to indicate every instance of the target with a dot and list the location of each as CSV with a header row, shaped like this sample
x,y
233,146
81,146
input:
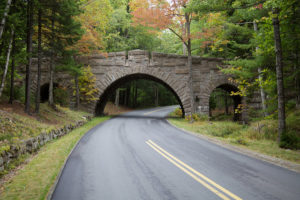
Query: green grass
x,y
35,179
258,136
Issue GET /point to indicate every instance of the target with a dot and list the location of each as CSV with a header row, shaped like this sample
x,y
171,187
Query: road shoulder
x,y
276,161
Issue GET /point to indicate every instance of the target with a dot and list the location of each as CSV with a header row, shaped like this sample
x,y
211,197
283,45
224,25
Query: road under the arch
x,y
121,82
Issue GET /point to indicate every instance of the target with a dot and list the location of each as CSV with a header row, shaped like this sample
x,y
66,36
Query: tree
x,y
7,62
52,50
29,54
3,20
161,15
94,20
69,65
64,32
262,91
87,86
38,82
12,71
279,74
16,22
122,36
273,46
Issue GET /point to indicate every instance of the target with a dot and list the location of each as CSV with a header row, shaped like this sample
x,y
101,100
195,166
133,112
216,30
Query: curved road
x,y
138,155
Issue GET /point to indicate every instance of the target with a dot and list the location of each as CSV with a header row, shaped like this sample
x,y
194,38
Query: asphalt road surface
x,y
138,155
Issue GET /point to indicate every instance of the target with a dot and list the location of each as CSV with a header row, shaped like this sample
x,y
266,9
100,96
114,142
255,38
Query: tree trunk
x,y
117,98
6,63
189,63
262,92
38,82
128,95
156,95
296,62
29,56
297,84
3,20
50,100
183,49
77,92
279,75
12,73
226,103
135,94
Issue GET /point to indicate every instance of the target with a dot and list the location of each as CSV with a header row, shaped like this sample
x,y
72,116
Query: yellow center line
x,y
189,173
170,157
147,113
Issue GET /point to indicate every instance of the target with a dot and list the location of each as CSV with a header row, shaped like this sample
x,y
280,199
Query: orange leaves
x,y
151,14
94,21
160,15
151,17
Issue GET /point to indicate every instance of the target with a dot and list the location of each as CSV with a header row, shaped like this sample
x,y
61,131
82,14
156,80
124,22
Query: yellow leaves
x,y
224,42
240,108
87,86
136,4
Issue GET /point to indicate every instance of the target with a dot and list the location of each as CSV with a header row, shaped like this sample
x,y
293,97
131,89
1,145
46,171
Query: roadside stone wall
x,y
33,144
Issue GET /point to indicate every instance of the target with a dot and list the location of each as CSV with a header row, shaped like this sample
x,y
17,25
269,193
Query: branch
x,y
237,8
177,35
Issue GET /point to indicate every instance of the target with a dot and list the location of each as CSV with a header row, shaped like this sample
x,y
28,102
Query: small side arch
x,y
225,85
44,91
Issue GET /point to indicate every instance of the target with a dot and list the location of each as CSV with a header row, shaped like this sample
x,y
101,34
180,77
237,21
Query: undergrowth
x,y
259,135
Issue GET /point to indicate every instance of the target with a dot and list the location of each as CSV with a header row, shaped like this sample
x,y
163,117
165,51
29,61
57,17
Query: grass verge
x,y
35,179
257,137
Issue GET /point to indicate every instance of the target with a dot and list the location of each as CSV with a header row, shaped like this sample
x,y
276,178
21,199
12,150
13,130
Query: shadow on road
x,y
143,117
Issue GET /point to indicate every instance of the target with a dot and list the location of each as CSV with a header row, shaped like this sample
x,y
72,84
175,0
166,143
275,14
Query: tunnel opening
x,y
133,89
223,105
45,92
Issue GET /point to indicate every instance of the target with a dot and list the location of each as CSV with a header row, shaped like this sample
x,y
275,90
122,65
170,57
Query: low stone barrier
x,y
33,144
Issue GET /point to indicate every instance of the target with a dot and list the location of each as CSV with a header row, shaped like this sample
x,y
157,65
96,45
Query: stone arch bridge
x,y
114,69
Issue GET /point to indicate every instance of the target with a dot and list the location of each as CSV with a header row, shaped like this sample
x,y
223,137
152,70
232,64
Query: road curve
x,y
138,155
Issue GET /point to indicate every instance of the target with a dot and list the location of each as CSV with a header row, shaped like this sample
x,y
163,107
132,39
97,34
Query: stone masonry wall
x,y
168,68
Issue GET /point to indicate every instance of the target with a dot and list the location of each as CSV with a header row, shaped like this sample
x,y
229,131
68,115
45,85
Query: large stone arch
x,y
113,79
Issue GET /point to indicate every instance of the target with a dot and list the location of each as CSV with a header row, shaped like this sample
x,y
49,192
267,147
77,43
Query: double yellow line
x,y
206,182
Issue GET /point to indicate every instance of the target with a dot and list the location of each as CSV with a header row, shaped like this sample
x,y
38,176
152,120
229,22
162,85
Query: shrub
x,y
60,96
178,112
202,117
241,141
188,117
197,117
290,140
19,93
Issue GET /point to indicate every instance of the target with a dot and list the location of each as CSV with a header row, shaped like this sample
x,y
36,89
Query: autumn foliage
x,y
87,85
94,20
161,15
